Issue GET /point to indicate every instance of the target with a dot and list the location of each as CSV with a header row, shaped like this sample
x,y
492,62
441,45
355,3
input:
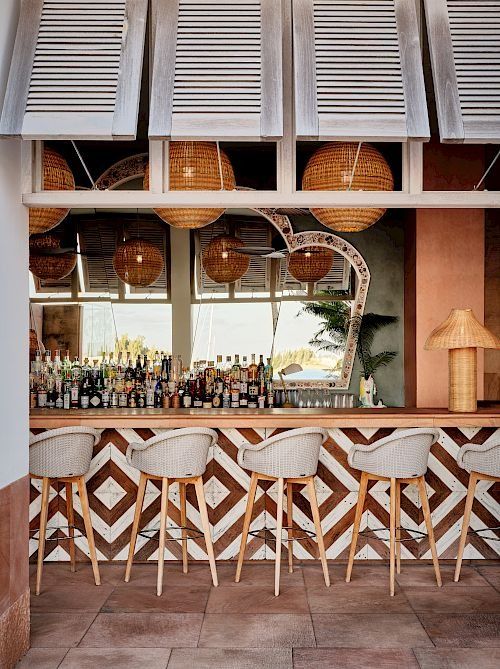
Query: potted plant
x,y
333,333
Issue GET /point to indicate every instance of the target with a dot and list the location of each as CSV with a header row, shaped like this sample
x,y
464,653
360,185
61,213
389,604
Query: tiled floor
x,y
195,626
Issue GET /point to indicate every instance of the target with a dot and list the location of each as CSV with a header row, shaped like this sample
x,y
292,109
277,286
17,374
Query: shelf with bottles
x,y
162,382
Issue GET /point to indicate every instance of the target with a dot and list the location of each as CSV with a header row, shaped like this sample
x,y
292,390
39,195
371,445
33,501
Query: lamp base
x,y
462,396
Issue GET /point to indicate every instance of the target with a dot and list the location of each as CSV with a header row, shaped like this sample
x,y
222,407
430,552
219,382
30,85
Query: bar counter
x,y
112,483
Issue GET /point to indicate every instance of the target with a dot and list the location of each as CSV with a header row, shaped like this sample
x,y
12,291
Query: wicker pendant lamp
x,y
56,176
138,262
49,267
221,262
195,166
461,333
347,166
311,264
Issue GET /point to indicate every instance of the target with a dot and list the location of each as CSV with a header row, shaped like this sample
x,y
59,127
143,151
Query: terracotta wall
x,y
492,303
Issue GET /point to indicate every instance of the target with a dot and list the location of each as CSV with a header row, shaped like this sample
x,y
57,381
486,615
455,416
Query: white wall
x,y
14,294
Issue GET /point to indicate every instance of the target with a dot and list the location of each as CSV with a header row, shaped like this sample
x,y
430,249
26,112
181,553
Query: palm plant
x,y
334,330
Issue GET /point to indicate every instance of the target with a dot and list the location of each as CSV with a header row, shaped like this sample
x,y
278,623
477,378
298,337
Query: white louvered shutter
x,y
464,41
358,70
76,70
217,70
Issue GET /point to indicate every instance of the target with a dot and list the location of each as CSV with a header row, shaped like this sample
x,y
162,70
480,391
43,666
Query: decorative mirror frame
x,y
133,167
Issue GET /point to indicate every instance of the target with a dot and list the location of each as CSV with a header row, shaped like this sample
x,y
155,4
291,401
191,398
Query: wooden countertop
x,y
263,418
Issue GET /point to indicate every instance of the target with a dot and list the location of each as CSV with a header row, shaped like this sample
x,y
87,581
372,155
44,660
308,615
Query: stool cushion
x,y
403,454
62,453
481,458
291,454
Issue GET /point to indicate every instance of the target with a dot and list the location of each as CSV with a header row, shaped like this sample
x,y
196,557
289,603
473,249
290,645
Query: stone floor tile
x,y
343,598
146,575
364,575
454,600
256,631
398,630
461,631
59,630
458,658
492,574
59,574
144,630
422,575
70,598
259,599
353,658
256,574
42,658
231,658
143,599
116,658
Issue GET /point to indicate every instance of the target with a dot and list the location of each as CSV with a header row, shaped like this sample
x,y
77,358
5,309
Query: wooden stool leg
x,y
279,528
363,486
84,501
289,522
313,501
471,491
430,531
398,527
163,526
202,505
71,522
44,511
141,489
182,496
246,524
392,539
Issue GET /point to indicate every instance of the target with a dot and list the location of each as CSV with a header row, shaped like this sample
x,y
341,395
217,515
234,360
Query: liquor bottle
x,y
75,393
105,394
175,400
114,400
235,383
210,374
96,393
141,397
227,370
207,397
56,365
157,365
67,395
42,395
244,384
123,400
165,400
95,370
198,398
85,394
129,370
86,368
268,377
252,370
226,397
253,386
112,366
219,381
260,372
187,398
150,394
66,367
119,366
76,369
132,398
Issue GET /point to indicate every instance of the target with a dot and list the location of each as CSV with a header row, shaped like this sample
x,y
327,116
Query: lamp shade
x,y
310,264
334,167
195,166
56,176
461,330
49,267
221,262
138,262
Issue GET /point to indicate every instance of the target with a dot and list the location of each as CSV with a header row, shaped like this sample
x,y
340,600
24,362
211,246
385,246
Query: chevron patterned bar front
x,y
112,487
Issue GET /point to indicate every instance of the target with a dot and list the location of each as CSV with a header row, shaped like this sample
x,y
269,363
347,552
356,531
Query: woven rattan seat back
x,y
403,454
481,458
62,453
175,454
292,454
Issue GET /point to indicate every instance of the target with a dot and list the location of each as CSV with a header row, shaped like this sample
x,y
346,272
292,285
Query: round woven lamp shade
x,y
195,166
310,264
331,167
48,267
56,176
138,262
221,263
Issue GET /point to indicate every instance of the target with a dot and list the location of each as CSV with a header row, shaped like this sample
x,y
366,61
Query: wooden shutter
x,y
358,70
464,42
217,70
76,70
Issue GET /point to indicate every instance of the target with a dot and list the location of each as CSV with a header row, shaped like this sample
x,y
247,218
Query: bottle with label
x,y
75,394
114,400
219,381
76,369
268,379
235,383
42,396
67,395
158,394
175,400
96,394
187,398
226,397
85,394
198,397
150,395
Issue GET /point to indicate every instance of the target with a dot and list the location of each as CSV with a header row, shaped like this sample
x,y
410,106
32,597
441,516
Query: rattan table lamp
x,y
462,334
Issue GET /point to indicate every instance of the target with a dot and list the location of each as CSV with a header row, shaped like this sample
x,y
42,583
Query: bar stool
x,y
178,456
482,461
64,455
400,458
288,458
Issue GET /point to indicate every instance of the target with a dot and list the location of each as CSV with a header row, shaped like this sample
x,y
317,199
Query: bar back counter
x,y
112,484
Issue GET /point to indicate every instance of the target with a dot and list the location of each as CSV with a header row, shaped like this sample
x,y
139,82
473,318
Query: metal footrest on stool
x,y
53,529
191,533
479,533
268,533
373,534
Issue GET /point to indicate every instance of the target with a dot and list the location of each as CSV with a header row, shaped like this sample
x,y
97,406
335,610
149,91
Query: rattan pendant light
x,y
461,333
49,267
195,166
311,264
138,262
56,176
347,166
221,262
